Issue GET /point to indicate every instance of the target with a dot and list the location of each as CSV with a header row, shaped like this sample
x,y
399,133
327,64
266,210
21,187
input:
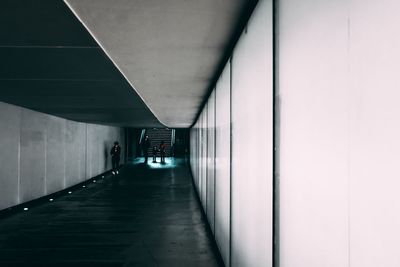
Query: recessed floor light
x,y
83,186
25,208
69,192
94,181
51,199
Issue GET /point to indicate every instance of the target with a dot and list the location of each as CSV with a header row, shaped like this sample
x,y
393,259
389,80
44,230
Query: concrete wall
x,y
32,159
10,118
210,194
43,154
252,146
222,163
339,85
314,134
235,127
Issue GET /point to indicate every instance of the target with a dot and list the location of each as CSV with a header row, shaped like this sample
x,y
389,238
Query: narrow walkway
x,y
145,216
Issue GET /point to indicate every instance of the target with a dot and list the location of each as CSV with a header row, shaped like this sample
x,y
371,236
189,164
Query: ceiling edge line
x,y
115,64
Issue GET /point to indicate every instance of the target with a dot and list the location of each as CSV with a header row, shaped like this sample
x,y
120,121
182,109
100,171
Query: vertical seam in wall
x,y
215,151
196,154
199,157
275,134
201,170
19,158
206,167
230,161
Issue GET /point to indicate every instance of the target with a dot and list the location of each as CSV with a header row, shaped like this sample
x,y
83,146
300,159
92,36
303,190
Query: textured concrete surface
x,y
32,155
168,50
146,216
73,140
42,154
55,152
51,64
10,118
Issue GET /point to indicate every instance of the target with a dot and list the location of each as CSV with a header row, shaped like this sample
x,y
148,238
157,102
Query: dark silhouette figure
x,y
115,157
155,150
163,150
145,148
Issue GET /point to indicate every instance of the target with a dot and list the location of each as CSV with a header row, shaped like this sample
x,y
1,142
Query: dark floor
x,y
145,216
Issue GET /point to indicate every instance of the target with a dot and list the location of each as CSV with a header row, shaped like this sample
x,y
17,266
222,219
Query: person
x,y
145,148
115,157
163,150
155,150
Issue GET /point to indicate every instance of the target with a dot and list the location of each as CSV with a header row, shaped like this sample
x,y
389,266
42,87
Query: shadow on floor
x,y
148,215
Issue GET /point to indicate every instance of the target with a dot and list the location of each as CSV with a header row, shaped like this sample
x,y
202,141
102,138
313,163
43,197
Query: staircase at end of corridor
x,y
156,135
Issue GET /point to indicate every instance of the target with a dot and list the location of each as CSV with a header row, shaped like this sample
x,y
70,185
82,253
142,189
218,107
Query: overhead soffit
x,y
50,63
168,50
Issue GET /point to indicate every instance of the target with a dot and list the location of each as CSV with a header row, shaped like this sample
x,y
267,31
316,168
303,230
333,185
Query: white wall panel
x,y
314,134
193,151
103,134
10,121
72,153
93,150
199,155
196,155
222,164
81,143
32,155
55,163
42,154
252,142
198,162
375,144
350,132
200,175
339,135
211,159
204,177
251,217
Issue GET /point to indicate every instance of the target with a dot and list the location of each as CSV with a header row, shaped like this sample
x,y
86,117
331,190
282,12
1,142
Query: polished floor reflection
x,y
145,216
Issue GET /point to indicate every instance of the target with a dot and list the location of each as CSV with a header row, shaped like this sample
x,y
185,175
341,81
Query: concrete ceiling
x,y
50,63
135,63
169,50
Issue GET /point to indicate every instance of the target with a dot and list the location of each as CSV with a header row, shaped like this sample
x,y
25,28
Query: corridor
x,y
145,216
